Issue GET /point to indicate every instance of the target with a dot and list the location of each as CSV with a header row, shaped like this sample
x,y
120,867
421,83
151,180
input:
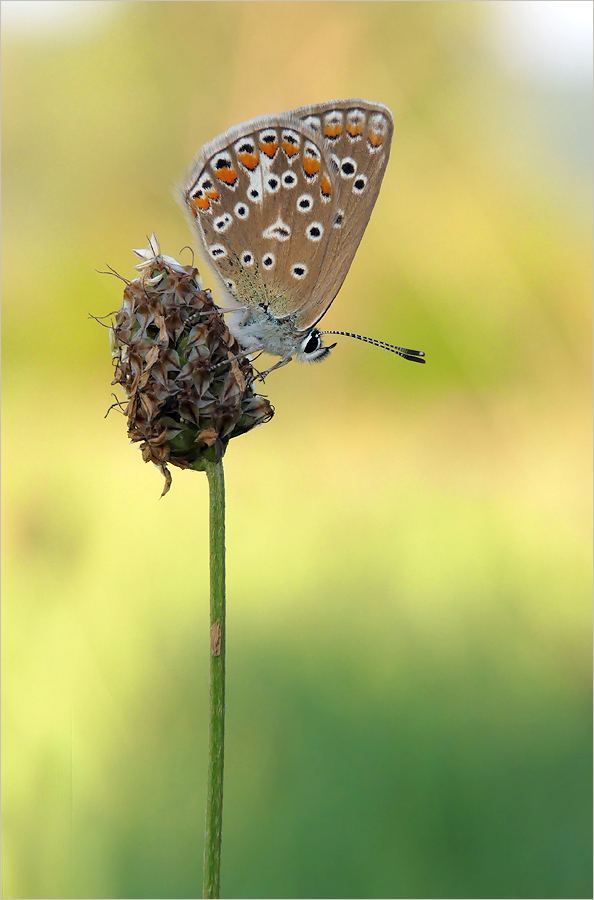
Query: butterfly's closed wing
x,y
261,196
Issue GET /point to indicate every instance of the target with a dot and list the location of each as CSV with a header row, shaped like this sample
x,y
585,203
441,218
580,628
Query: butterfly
x,y
280,204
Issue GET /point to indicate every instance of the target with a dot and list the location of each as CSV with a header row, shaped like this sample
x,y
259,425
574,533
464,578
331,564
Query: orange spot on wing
x,y
325,186
290,149
332,131
212,193
355,130
249,160
199,203
269,149
311,166
376,140
228,176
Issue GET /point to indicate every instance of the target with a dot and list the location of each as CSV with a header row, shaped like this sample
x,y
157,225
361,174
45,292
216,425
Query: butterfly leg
x,y
282,362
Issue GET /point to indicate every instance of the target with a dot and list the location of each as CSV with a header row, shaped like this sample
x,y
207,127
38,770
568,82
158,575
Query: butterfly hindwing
x,y
260,196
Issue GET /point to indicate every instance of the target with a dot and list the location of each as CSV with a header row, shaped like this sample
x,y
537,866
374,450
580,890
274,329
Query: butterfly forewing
x,y
296,214
357,137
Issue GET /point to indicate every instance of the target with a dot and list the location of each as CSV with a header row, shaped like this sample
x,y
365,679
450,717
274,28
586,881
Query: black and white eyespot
x,y
304,202
255,194
245,145
299,271
338,219
272,184
288,179
223,223
217,251
268,260
359,184
311,151
221,161
205,184
314,122
241,210
247,258
278,231
230,285
314,231
268,136
348,167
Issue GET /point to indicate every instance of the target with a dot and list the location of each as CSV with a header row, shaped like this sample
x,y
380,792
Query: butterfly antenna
x,y
412,355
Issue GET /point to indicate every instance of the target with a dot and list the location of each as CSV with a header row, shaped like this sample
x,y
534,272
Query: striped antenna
x,y
412,355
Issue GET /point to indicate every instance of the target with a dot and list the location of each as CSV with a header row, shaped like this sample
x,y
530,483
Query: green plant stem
x,y
216,733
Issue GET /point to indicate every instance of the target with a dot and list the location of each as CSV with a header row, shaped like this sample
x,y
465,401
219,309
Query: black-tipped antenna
x,y
412,355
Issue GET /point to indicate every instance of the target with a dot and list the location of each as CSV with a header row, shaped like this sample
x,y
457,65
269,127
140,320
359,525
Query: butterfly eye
x,y
313,343
312,350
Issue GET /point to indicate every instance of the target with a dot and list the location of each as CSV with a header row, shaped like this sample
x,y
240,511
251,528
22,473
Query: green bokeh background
x,y
409,565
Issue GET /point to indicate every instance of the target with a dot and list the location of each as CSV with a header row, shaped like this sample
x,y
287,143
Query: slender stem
x,y
216,733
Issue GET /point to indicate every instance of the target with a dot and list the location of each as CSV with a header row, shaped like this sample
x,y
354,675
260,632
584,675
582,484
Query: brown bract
x,y
189,389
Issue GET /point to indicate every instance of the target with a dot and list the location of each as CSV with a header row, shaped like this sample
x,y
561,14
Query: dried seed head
x,y
189,388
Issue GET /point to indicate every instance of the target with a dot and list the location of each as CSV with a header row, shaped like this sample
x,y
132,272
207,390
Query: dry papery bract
x,y
188,385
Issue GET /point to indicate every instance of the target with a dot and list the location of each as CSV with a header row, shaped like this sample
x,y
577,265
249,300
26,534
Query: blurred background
x,y
409,563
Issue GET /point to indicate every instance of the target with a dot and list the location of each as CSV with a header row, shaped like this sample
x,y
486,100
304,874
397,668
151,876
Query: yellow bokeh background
x,y
409,548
